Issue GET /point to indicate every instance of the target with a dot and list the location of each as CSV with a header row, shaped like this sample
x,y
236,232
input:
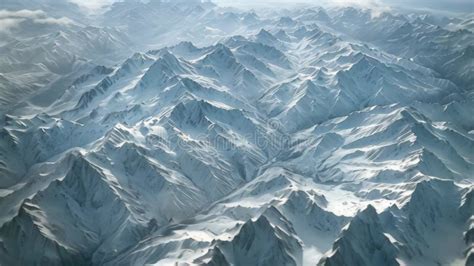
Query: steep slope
x,y
260,243
297,136
362,243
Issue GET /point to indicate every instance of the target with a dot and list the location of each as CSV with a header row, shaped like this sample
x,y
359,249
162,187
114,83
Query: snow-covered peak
x,y
362,242
259,242
299,136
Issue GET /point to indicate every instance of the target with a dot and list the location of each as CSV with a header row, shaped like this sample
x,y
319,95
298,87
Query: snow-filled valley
x,y
187,133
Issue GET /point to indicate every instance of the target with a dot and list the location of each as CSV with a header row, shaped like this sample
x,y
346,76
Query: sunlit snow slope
x,y
307,136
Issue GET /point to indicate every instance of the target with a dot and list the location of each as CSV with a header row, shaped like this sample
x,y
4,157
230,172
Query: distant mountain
x,y
180,132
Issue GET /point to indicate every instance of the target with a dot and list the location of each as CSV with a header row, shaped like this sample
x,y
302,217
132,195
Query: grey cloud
x,y
6,24
12,19
50,20
25,13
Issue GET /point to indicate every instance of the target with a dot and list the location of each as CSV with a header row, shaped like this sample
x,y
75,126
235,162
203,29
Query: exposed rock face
x,y
363,242
291,137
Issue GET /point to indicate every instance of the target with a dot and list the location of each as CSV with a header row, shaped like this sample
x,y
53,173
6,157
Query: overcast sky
x,y
451,5
442,5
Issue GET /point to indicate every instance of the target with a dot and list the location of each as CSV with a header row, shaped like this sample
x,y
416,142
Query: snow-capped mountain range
x,y
184,133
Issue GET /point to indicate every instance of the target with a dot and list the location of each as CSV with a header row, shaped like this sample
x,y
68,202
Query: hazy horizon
x,y
271,132
464,6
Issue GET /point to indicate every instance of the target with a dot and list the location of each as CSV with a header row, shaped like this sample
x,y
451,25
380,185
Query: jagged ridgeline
x,y
185,133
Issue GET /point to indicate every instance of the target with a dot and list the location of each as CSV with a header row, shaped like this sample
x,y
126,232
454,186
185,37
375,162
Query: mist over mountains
x,y
192,133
